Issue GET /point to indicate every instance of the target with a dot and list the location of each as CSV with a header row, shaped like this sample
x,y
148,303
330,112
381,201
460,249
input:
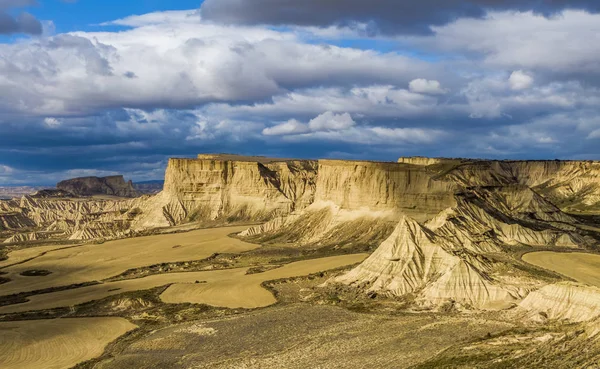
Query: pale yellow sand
x,y
57,343
96,262
18,256
228,288
582,267
244,291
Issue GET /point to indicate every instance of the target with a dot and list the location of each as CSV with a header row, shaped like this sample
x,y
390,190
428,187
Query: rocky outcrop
x,y
12,216
485,204
91,186
372,194
78,219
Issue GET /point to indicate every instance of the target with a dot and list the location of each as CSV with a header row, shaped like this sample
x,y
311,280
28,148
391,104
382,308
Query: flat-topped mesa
x,y
91,186
216,187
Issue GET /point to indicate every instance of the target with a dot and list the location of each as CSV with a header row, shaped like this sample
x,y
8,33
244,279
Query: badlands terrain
x,y
253,262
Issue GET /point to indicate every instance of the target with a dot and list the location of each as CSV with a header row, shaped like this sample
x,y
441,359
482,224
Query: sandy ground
x,y
96,262
582,267
18,256
245,291
227,287
58,343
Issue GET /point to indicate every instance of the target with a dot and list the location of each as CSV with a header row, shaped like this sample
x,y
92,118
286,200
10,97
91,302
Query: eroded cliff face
x,y
571,185
445,259
212,188
400,188
359,203
441,229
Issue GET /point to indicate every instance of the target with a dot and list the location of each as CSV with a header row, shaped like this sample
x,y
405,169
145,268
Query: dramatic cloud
x,y
465,82
86,72
388,16
559,45
325,122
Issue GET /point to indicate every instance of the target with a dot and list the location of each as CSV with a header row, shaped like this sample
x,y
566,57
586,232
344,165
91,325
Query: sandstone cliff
x,y
90,186
572,185
213,187
359,203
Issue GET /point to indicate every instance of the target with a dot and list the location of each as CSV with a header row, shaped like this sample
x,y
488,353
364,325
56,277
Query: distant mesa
x,y
92,186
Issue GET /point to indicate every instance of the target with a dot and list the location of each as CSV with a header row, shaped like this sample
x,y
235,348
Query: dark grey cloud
x,y
22,23
386,16
5,4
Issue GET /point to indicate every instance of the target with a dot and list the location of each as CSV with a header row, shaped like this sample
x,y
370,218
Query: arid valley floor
x,y
251,262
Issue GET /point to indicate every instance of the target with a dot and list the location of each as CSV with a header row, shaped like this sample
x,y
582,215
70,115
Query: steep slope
x,y
413,260
572,185
12,216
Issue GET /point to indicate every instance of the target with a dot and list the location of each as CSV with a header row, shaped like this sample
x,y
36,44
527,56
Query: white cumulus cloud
x,y
424,86
519,80
291,127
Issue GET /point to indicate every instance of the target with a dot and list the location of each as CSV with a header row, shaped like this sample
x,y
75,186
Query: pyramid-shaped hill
x,y
413,261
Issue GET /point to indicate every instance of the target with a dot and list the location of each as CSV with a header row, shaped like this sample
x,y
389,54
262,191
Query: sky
x,y
92,87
